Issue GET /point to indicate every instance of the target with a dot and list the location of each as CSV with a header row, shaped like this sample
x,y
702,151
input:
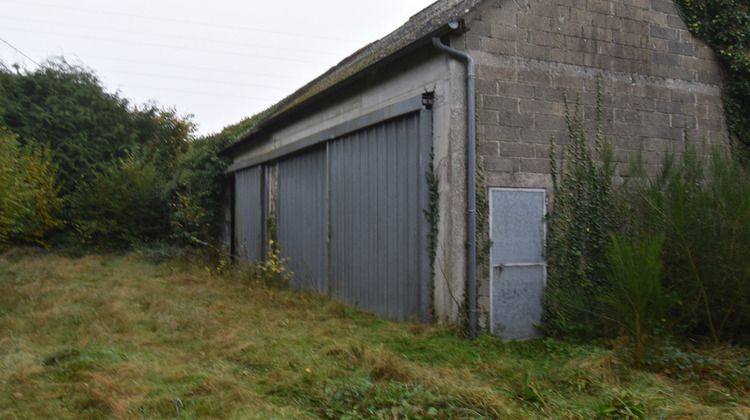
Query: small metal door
x,y
518,270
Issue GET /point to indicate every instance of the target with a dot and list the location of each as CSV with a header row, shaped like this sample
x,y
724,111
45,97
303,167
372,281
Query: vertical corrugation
x,y
303,218
351,216
375,219
249,214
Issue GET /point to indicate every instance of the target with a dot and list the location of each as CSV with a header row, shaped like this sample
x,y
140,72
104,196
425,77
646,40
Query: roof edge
x,y
417,32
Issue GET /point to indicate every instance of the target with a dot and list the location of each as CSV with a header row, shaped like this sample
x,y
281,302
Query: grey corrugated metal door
x,y
517,259
378,192
248,213
303,226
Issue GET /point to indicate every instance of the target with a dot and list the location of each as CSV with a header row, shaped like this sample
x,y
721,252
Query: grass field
x,y
121,337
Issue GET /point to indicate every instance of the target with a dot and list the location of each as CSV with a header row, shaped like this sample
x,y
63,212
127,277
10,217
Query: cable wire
x,y
20,52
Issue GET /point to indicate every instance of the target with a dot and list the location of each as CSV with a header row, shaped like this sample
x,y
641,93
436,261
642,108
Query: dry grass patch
x,y
119,337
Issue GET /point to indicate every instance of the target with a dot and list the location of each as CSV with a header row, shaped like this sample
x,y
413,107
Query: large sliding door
x,y
379,234
303,218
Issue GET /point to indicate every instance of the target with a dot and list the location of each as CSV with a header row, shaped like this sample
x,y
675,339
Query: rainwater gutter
x,y
471,184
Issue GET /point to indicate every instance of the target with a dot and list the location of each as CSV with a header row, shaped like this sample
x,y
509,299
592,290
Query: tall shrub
x,y
29,200
123,206
196,192
703,208
633,300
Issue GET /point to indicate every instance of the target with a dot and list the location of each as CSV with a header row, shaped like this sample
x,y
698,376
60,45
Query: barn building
x,y
367,175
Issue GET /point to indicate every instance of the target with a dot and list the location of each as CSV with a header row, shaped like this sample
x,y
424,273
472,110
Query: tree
x,y
65,107
98,140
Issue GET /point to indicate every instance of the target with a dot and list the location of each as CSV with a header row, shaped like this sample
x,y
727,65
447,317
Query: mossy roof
x,y
417,30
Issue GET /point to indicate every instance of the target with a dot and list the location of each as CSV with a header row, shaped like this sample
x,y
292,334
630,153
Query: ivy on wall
x,y
585,212
725,26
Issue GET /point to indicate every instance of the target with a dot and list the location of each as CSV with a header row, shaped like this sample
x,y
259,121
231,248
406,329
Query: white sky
x,y
220,60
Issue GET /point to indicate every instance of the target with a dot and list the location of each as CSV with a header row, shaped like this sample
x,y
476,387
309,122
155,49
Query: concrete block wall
x,y
656,79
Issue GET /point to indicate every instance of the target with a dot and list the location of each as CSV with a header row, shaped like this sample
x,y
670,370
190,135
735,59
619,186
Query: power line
x,y
244,73
20,52
182,21
174,47
181,37
192,79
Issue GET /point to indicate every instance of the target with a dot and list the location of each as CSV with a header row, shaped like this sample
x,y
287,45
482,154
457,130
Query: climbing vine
x,y
725,26
433,217
585,212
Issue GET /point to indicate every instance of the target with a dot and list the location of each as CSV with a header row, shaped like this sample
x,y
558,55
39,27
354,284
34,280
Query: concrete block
x,y
676,21
500,103
548,10
550,122
542,150
628,116
535,166
514,90
666,59
600,6
488,148
534,106
486,86
681,121
565,82
501,74
683,96
625,11
681,48
641,4
656,18
509,33
499,46
669,107
481,28
608,21
537,137
536,23
575,58
536,52
474,42
535,78
635,26
516,150
515,119
499,164
643,104
670,133
502,132
629,39
664,6
664,33
658,92
567,27
487,116
656,119
580,43
580,16
500,16
597,34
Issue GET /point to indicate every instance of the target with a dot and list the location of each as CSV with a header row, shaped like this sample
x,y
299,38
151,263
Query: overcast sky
x,y
220,60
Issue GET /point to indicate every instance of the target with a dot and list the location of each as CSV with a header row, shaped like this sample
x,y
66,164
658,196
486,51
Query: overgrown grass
x,y
121,337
